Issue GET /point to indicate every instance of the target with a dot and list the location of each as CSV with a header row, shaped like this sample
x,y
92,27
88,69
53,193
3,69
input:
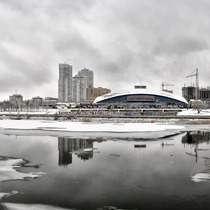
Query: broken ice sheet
x,y
201,177
3,194
8,172
17,206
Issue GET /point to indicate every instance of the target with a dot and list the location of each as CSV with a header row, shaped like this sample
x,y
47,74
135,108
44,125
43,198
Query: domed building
x,y
143,98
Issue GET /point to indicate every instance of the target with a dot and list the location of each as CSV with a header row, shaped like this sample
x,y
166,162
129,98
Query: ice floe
x,y
8,170
3,194
201,177
85,126
17,206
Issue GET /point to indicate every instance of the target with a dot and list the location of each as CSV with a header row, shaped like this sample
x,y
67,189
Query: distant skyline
x,y
124,42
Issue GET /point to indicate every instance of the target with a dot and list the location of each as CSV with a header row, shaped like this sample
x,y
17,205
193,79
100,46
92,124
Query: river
x,y
105,173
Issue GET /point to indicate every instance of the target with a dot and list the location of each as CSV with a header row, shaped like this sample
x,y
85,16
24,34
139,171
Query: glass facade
x,y
65,83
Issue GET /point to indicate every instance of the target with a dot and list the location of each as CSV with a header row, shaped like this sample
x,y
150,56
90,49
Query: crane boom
x,y
197,81
163,84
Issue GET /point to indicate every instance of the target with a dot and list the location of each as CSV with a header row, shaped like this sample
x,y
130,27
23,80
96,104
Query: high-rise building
x,y
79,90
87,80
88,77
65,83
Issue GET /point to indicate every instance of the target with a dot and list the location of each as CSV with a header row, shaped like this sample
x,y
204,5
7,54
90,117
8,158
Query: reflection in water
x,y
64,148
196,138
119,177
83,148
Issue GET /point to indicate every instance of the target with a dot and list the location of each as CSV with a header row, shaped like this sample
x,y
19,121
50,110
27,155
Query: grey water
x,y
108,173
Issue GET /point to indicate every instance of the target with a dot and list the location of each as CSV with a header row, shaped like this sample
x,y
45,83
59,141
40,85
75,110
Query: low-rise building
x,y
92,93
49,102
37,101
16,99
143,98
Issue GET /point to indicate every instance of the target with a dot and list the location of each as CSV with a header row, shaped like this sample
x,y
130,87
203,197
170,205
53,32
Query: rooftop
x,y
141,91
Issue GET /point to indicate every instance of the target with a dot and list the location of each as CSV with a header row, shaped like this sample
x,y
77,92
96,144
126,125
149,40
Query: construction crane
x,y
164,84
195,73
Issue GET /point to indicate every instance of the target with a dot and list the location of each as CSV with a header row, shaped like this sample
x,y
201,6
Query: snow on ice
x,y
8,172
84,126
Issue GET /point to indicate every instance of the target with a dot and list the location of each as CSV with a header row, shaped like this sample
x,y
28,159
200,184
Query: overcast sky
x,y
124,42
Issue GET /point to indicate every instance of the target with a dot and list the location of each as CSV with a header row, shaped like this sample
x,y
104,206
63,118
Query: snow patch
x,y
194,112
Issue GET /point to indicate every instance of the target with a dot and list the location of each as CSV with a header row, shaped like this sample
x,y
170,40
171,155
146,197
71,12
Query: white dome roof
x,y
141,91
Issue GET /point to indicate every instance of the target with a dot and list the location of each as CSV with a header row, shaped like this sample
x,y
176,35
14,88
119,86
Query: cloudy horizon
x,y
123,42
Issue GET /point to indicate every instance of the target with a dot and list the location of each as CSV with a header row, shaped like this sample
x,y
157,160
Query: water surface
x,y
106,173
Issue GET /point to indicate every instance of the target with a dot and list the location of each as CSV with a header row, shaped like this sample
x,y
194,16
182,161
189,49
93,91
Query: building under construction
x,y
204,94
194,92
189,92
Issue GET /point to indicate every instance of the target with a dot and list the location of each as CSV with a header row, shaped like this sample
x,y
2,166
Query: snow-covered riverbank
x,y
116,126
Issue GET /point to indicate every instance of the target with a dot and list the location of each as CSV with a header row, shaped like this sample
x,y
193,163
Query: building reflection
x,y
196,137
83,148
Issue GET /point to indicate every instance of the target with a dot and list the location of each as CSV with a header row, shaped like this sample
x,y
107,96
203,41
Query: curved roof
x,y
142,92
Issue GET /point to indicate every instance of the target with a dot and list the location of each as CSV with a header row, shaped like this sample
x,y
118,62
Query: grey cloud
x,y
20,72
122,41
65,7
74,46
70,41
180,46
50,6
